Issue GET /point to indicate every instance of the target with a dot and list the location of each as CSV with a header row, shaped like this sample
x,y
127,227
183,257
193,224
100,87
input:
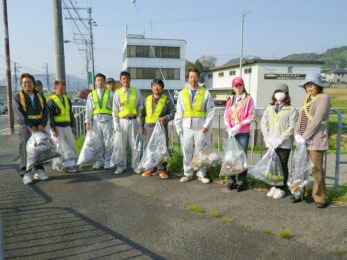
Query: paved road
x,y
97,215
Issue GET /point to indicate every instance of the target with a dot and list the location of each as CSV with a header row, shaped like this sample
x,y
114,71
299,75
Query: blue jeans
x,y
243,140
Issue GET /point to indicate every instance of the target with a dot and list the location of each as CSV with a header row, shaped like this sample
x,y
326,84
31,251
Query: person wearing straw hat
x,y
311,128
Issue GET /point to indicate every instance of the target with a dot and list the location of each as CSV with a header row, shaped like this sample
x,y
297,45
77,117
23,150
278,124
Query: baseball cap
x,y
38,83
110,80
314,78
282,87
237,81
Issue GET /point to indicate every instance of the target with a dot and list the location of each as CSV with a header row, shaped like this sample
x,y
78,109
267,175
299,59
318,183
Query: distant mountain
x,y
335,58
237,60
73,83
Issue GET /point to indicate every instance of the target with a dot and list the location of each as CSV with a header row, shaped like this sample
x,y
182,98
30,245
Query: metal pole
x,y
59,40
2,252
47,76
241,49
8,70
91,44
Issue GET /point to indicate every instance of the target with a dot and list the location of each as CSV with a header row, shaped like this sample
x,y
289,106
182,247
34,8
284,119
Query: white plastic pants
x,y
104,131
127,134
189,138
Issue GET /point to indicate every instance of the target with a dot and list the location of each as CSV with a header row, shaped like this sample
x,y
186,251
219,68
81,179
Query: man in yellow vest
x,y
127,103
194,113
39,88
62,123
99,120
157,107
31,114
111,84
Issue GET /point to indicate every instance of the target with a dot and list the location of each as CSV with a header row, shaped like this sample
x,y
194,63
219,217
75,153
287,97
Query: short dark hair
x,y
100,75
27,75
193,69
59,82
286,98
157,81
124,73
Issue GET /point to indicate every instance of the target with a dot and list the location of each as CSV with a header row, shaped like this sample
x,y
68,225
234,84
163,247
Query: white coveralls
x,y
101,124
191,126
126,129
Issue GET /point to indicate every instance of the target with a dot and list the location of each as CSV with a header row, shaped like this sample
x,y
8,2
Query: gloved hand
x,y
276,142
268,143
162,120
179,131
116,128
234,131
299,139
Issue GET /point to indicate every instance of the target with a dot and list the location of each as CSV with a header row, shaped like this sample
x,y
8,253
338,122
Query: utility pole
x,y
16,67
241,51
8,70
59,40
87,58
47,76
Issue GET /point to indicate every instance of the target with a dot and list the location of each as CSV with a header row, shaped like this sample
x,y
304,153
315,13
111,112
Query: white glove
x,y
267,142
179,131
276,142
116,128
299,139
235,130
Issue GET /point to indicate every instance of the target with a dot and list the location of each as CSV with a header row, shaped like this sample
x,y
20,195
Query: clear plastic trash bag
x,y
205,155
40,148
115,152
299,175
68,158
269,169
156,151
90,149
235,159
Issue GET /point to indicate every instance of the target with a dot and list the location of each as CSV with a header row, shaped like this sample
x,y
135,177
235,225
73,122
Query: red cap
x,y
237,81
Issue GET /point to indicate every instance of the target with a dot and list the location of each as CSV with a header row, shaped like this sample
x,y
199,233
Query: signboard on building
x,y
285,76
274,69
305,70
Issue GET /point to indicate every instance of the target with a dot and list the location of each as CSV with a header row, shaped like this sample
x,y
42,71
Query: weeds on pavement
x,y
285,234
196,208
214,214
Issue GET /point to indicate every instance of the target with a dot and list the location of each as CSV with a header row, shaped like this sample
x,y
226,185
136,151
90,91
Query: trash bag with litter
x,y
68,158
90,148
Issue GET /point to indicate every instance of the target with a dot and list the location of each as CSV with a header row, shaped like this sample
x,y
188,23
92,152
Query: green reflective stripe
x,y
152,118
128,110
64,115
196,111
277,117
236,111
304,108
103,109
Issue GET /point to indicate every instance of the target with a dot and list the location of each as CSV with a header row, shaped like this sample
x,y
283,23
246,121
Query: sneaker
x,y
271,193
186,178
107,166
40,175
137,171
27,179
97,166
279,194
119,171
163,175
232,186
146,174
321,205
204,180
295,200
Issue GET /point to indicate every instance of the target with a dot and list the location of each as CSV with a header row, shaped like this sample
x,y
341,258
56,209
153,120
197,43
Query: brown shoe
x,y
163,175
146,174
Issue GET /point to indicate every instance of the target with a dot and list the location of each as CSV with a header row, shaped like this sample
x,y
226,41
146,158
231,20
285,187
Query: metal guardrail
x,y
2,252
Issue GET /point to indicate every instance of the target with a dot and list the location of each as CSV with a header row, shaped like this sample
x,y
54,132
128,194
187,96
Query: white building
x,y
144,57
260,77
335,76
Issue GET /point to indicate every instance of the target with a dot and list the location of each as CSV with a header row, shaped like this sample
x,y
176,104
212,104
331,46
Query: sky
x,y
273,29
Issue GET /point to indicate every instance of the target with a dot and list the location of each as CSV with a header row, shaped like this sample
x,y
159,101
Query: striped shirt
x,y
304,118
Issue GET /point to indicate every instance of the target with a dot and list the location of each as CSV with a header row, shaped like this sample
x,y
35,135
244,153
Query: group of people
x,y
117,116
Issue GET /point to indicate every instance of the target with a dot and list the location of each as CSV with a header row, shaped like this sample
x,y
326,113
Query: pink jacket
x,y
245,115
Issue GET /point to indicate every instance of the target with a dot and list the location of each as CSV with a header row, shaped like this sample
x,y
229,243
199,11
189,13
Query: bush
x,y
175,163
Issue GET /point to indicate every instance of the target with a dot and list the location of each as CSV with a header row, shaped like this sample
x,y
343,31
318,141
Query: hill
x,y
334,58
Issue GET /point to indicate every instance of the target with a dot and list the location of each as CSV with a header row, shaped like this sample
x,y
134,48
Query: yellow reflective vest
x,y
64,115
24,105
152,118
129,106
45,94
196,111
103,109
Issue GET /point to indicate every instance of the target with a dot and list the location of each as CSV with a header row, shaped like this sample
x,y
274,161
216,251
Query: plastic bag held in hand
x,y
156,151
68,156
40,147
298,177
235,159
299,139
269,169
90,148
234,131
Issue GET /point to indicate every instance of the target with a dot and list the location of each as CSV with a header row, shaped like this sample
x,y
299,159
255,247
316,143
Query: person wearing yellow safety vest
x,y
158,107
238,117
311,128
31,114
39,88
62,122
277,126
127,104
194,113
99,120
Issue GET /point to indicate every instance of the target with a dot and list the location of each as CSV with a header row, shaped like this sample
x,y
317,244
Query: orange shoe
x,y
146,174
164,175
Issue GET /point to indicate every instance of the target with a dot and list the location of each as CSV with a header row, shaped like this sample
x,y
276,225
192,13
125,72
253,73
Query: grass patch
x,y
214,214
79,144
337,253
227,219
285,234
196,208
337,194
175,163
266,232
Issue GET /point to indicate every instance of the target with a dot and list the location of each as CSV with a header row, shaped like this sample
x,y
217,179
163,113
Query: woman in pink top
x,y
238,116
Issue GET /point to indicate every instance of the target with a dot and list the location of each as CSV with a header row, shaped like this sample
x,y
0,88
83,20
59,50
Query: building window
x,y
220,74
148,52
210,75
232,73
290,69
154,73
246,71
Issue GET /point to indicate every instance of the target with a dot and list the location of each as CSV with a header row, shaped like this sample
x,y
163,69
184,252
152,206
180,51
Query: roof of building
x,y
142,37
253,61
335,71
